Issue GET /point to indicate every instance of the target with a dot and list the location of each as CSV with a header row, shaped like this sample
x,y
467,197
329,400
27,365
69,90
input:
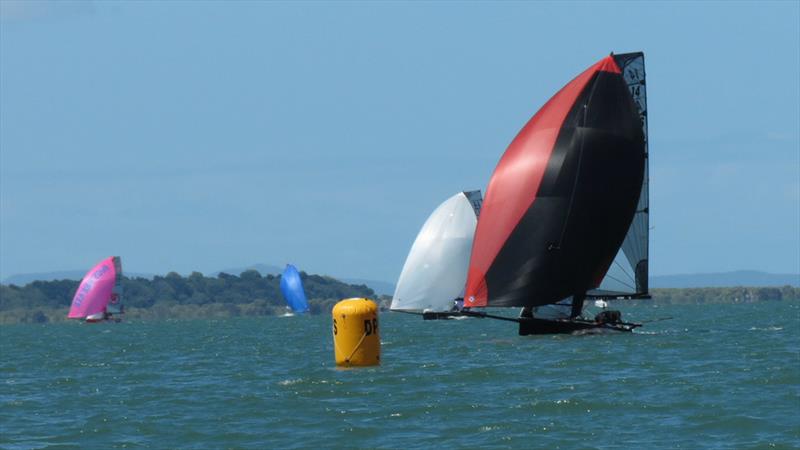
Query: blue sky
x,y
197,136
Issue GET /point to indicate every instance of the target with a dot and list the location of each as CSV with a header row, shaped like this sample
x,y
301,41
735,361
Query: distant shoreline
x,y
186,301
746,278
175,296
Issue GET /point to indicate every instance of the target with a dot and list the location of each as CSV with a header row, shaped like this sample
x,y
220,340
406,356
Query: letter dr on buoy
x,y
356,340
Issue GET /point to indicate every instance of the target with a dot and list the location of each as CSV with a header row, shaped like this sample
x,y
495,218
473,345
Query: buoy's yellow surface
x,y
356,340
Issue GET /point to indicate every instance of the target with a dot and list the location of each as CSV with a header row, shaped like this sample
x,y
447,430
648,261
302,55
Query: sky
x,y
191,136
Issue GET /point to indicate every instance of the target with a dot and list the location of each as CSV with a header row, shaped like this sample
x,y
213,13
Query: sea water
x,y
714,376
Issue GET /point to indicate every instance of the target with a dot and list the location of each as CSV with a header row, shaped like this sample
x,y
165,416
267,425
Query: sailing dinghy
x,y
99,296
292,290
433,276
565,216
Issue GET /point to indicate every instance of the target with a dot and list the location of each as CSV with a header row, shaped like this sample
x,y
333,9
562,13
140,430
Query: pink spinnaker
x,y
95,290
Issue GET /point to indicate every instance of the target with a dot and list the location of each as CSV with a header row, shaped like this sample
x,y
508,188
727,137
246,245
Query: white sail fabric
x,y
435,270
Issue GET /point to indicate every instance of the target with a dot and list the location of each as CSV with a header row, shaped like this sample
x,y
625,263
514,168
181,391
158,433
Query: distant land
x,y
748,278
197,296
726,279
24,278
176,296
380,287
263,269
751,278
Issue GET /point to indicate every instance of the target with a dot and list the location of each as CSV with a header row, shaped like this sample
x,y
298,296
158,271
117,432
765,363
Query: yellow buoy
x,y
356,340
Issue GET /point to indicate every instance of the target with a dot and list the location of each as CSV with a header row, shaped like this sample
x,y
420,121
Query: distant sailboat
x,y
568,202
292,290
435,270
99,296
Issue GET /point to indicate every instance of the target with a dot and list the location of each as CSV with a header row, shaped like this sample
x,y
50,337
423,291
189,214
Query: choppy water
x,y
721,376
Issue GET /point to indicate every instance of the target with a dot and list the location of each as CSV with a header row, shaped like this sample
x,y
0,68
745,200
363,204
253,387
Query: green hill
x,y
253,294
172,295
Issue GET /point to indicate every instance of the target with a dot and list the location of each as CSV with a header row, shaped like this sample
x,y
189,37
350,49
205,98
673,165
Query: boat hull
x,y
532,326
103,320
445,315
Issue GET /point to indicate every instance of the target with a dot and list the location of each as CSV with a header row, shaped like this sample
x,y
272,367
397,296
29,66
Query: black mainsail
x,y
628,275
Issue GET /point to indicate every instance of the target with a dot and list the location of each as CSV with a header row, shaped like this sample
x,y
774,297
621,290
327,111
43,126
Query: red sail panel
x,y
516,180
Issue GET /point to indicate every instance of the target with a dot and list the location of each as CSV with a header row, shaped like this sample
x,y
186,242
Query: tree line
x,y
195,295
251,294
738,294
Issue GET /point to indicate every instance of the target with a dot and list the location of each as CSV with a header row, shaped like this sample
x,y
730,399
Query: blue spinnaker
x,y
292,289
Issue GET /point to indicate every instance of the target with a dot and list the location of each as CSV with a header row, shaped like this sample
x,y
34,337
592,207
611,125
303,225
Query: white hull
x,y
99,317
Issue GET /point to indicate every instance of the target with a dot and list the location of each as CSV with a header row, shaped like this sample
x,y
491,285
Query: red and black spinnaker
x,y
563,195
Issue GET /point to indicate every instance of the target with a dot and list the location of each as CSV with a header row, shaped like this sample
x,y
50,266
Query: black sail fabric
x,y
567,238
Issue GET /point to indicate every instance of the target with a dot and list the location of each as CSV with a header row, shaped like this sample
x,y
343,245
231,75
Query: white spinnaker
x,y
435,270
